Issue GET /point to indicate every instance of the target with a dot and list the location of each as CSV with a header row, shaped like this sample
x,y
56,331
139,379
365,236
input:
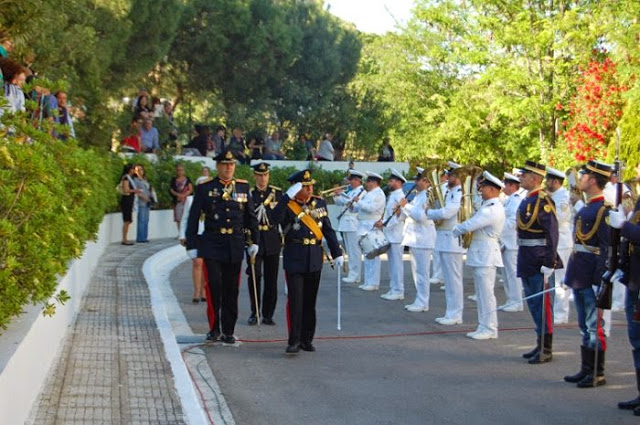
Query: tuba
x,y
468,175
435,197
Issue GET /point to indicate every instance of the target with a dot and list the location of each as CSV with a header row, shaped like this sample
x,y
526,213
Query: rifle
x,y
605,295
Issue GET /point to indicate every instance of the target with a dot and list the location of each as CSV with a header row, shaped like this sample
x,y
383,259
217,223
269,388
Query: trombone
x,y
333,189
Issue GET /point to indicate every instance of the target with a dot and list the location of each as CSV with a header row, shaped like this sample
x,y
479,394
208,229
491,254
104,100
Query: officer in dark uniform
x,y
305,222
537,255
265,199
629,275
229,216
585,268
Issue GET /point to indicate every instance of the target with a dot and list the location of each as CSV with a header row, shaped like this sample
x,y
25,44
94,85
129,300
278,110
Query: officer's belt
x,y
481,237
223,230
265,227
586,249
532,242
304,241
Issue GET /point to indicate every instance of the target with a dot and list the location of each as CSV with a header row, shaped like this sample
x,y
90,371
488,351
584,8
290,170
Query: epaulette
x,y
275,188
241,181
542,194
207,180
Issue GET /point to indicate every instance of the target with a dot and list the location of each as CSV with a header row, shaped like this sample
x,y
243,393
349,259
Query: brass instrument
x,y
629,199
434,194
468,175
333,189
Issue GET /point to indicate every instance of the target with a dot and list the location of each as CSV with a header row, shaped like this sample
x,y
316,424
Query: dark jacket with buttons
x,y
270,236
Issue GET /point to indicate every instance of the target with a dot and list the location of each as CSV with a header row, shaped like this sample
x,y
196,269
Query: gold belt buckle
x,y
309,241
226,231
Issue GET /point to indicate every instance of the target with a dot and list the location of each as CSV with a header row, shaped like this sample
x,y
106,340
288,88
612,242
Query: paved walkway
x,y
113,369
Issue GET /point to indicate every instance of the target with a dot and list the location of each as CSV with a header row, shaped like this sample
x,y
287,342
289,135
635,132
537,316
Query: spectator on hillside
x,y
310,146
386,153
219,142
63,117
6,46
14,77
180,188
167,131
143,109
156,107
256,145
325,150
141,92
237,146
201,141
132,142
273,148
149,137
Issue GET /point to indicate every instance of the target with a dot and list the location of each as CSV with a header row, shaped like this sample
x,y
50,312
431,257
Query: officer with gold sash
x,y
304,221
537,255
229,215
586,265
265,198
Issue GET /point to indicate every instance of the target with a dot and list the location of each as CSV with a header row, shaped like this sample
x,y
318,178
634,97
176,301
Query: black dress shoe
x,y
229,339
292,349
587,382
268,321
252,320
195,300
540,358
307,346
531,353
629,405
213,335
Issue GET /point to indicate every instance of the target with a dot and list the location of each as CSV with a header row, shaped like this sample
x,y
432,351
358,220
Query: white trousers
x,y
484,279
619,296
451,263
372,271
437,269
562,301
354,253
512,284
420,262
396,268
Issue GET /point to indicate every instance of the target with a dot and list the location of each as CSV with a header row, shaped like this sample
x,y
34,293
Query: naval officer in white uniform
x,y
348,224
509,243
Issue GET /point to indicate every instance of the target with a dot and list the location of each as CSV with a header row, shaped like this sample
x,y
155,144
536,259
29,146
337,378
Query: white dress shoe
x,y
510,308
448,322
406,307
480,335
392,297
368,288
435,281
362,286
443,287
472,297
417,309
351,280
560,321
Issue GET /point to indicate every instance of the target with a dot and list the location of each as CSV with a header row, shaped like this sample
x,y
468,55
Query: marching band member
x,y
370,209
585,268
484,253
564,214
304,221
537,256
436,276
419,236
393,231
509,241
450,248
348,224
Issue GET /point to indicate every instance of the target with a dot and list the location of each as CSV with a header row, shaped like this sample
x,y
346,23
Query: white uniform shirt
x,y
610,192
509,236
370,209
445,242
486,225
564,213
419,231
349,220
394,228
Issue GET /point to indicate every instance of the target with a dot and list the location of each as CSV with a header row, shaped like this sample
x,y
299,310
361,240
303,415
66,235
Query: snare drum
x,y
374,243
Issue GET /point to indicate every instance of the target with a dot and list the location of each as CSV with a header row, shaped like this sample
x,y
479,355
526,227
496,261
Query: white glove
x,y
617,276
192,253
617,219
339,261
293,190
546,271
253,250
456,232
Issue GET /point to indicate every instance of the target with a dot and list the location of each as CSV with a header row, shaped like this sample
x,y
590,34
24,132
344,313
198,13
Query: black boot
x,y
533,352
584,370
544,355
632,404
596,377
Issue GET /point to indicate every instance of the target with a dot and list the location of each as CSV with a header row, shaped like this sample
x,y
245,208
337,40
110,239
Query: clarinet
x,y
349,204
395,209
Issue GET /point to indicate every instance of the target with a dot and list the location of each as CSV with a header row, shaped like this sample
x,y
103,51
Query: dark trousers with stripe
x,y
224,282
533,285
589,319
266,267
301,306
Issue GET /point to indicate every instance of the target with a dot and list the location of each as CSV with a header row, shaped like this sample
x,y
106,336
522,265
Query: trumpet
x,y
333,189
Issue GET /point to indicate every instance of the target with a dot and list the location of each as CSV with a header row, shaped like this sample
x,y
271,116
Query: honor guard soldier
x,y
393,225
449,248
629,275
370,209
229,215
564,213
305,222
537,256
420,237
265,199
348,224
509,243
483,255
585,268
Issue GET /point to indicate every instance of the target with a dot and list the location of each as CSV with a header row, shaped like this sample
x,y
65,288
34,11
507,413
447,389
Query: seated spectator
x,y
256,145
201,141
141,92
237,146
149,137
309,145
219,140
167,130
273,148
143,110
63,117
386,153
325,150
132,141
156,107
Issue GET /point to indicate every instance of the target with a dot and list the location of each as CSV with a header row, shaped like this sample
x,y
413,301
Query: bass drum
x,y
374,243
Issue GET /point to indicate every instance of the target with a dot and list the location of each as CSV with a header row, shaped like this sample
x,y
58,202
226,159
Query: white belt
x,y
480,237
586,249
532,242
